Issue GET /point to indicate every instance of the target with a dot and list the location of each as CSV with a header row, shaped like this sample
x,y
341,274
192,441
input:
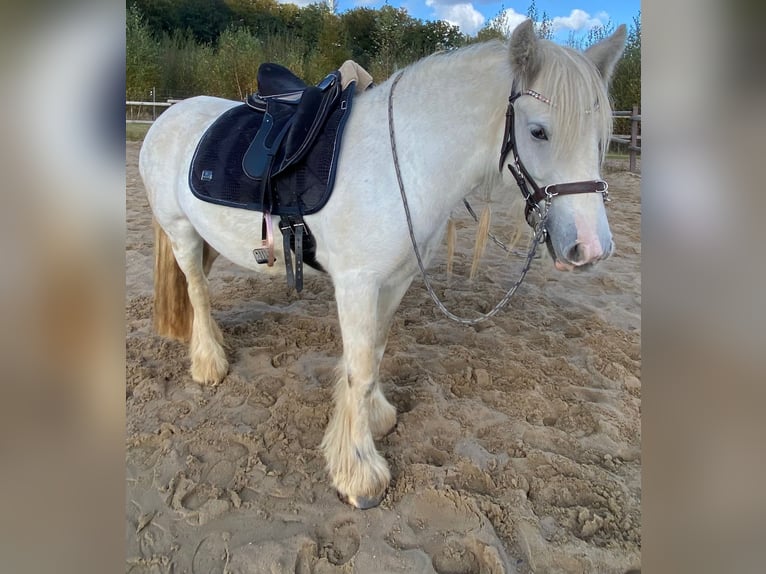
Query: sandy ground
x,y
518,447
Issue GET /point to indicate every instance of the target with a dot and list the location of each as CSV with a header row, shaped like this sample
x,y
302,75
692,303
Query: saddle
x,y
294,114
277,154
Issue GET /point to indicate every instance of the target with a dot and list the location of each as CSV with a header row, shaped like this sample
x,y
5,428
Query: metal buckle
x,y
605,191
548,195
534,215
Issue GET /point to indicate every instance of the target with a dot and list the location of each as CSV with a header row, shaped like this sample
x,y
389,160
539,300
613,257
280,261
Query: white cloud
x,y
299,3
509,19
463,15
603,16
577,20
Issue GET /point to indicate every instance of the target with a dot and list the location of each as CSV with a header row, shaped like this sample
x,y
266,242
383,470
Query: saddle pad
x,y
217,176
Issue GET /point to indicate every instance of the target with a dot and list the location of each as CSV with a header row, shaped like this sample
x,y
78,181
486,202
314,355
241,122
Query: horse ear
x,y
525,58
607,52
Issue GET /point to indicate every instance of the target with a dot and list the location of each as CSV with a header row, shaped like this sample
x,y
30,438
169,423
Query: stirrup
x,y
265,253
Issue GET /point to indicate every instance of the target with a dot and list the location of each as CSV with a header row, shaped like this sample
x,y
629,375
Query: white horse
x,y
449,114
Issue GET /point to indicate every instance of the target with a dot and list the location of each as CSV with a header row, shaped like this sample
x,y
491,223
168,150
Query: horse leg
x,y
209,255
358,471
383,413
194,258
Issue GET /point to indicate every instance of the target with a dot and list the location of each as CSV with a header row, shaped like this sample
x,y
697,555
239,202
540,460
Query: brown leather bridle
x,y
533,212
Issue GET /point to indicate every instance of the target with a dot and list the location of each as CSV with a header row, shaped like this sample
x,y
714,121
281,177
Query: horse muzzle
x,y
578,239
581,256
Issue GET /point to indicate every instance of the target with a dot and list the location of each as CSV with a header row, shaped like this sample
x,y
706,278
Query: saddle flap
x,y
278,120
302,120
259,155
309,119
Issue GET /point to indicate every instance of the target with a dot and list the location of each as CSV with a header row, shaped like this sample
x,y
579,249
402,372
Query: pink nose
x,y
584,252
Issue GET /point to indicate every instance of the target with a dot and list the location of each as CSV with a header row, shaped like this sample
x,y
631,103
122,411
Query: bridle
x,y
533,213
524,181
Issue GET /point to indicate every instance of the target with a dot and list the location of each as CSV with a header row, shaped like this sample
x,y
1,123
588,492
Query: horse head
x,y
560,123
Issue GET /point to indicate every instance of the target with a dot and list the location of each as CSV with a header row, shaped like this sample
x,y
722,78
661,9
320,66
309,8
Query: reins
x,y
538,237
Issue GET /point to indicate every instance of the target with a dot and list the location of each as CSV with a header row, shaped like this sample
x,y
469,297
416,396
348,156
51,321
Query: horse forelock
x,y
578,94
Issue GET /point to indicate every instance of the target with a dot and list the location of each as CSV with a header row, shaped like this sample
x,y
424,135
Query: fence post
x,y
633,138
154,99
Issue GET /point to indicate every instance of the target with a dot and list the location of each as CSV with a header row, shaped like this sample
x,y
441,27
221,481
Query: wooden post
x,y
633,138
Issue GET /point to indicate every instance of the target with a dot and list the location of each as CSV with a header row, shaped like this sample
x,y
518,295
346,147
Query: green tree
x,y
360,25
236,64
142,56
501,26
309,24
543,26
391,51
626,83
160,15
182,61
262,17
205,18
424,38
332,48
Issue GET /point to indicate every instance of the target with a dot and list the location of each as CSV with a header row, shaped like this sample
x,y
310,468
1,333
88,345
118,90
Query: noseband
x,y
532,212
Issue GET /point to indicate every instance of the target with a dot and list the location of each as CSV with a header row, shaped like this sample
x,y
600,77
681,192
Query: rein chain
x,y
536,240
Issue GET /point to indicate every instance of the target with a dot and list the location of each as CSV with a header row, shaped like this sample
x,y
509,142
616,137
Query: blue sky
x,y
576,15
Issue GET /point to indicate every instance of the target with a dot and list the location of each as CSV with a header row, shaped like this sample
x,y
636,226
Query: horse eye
x,y
538,133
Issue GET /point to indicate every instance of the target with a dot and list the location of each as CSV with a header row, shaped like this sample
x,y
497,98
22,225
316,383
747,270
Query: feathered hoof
x,y
362,502
211,371
365,483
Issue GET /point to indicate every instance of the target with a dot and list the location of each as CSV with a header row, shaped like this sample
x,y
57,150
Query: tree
x,y
544,26
332,48
205,18
626,83
503,23
359,27
142,56
236,63
391,51
309,25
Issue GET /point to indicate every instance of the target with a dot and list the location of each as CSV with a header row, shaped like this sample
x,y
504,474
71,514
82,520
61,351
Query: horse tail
x,y
173,311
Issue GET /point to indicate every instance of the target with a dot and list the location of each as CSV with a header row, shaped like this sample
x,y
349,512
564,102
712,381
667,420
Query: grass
x,y
136,132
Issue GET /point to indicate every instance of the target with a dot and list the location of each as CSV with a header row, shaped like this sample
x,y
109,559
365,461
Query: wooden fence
x,y
148,105
632,141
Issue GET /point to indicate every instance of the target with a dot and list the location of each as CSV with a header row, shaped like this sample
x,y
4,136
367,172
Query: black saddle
x,y
277,152
294,115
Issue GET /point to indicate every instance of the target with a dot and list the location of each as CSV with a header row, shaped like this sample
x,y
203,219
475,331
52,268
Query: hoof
x,y
361,502
211,373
